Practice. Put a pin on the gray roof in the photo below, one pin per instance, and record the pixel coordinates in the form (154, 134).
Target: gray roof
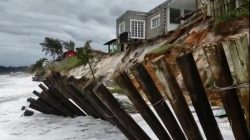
(164, 4)
(133, 12)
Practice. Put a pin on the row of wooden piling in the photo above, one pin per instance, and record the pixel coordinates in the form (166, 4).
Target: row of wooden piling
(55, 98)
(67, 97)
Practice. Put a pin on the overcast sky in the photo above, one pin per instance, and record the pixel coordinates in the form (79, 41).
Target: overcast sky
(25, 23)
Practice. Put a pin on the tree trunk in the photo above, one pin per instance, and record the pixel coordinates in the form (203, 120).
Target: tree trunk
(91, 69)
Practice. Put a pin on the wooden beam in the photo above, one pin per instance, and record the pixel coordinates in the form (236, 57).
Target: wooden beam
(73, 89)
(43, 99)
(107, 114)
(124, 82)
(57, 95)
(157, 101)
(176, 99)
(55, 103)
(222, 76)
(56, 83)
(50, 109)
(127, 121)
(198, 96)
(73, 93)
(36, 106)
(239, 52)
(87, 106)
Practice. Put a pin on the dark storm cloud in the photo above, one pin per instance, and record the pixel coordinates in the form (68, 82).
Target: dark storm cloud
(25, 23)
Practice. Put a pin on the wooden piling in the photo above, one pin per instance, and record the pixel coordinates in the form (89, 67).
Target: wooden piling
(55, 103)
(124, 82)
(59, 90)
(239, 52)
(176, 99)
(43, 107)
(221, 73)
(50, 109)
(198, 96)
(85, 103)
(156, 99)
(36, 106)
(53, 92)
(88, 94)
(71, 92)
(107, 114)
(127, 121)
(75, 94)
(42, 98)
(59, 97)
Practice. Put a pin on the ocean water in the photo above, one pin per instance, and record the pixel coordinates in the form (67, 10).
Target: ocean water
(15, 89)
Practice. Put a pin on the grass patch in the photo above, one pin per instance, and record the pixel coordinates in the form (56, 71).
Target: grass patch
(164, 48)
(69, 63)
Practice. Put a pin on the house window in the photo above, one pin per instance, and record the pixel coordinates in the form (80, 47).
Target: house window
(122, 27)
(155, 22)
(137, 29)
(174, 13)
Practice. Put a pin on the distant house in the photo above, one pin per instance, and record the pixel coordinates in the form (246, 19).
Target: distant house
(69, 53)
(137, 25)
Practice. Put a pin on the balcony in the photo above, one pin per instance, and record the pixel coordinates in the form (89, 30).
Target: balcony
(124, 37)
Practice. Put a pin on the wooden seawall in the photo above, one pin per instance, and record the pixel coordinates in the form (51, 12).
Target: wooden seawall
(70, 98)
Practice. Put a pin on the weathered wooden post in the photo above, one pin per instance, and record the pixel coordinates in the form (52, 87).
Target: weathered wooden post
(107, 114)
(239, 52)
(221, 73)
(176, 99)
(53, 102)
(59, 97)
(50, 109)
(85, 103)
(72, 90)
(124, 82)
(36, 106)
(88, 93)
(127, 121)
(53, 92)
(198, 96)
(40, 103)
(74, 94)
(156, 99)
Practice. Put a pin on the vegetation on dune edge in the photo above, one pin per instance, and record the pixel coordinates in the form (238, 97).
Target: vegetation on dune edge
(69, 63)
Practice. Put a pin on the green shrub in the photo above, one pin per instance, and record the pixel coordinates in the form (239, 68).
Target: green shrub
(69, 63)
(242, 11)
(164, 48)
